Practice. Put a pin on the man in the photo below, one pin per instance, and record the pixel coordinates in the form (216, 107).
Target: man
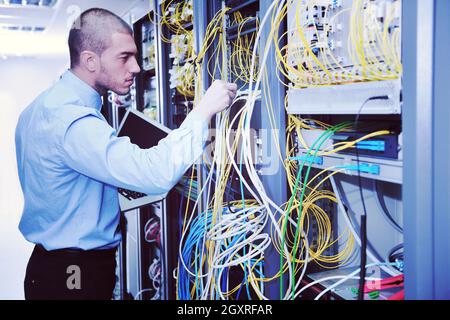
(71, 162)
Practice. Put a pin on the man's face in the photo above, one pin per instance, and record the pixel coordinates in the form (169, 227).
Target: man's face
(118, 65)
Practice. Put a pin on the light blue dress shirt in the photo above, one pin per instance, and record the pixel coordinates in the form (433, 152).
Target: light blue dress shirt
(71, 162)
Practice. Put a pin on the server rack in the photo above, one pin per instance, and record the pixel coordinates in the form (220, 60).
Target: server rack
(151, 218)
(141, 251)
(426, 150)
(425, 221)
(175, 106)
(276, 183)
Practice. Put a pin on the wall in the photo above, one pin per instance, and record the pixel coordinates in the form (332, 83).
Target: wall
(21, 80)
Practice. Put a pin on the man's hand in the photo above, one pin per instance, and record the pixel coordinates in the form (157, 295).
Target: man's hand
(217, 98)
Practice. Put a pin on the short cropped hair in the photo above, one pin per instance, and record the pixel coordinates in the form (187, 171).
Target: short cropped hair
(92, 31)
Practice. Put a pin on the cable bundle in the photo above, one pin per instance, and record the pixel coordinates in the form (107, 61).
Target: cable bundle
(241, 49)
(230, 235)
(236, 241)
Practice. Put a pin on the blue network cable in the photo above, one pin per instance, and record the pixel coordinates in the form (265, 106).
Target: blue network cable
(190, 253)
(193, 239)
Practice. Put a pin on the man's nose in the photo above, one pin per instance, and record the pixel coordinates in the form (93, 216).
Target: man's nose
(135, 69)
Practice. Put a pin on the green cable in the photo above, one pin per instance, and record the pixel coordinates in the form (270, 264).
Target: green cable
(290, 205)
(372, 295)
(320, 141)
(296, 240)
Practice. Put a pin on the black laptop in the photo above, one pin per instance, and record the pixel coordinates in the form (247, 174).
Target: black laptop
(145, 133)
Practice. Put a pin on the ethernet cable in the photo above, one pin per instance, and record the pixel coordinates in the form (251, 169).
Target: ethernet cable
(320, 141)
(225, 151)
(383, 208)
(382, 265)
(345, 278)
(308, 200)
(355, 235)
(311, 72)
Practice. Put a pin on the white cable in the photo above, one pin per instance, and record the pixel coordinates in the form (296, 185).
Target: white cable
(246, 137)
(264, 200)
(331, 278)
(355, 234)
(347, 278)
(155, 296)
(187, 228)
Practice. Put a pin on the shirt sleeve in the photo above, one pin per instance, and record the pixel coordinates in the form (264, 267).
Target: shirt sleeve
(91, 147)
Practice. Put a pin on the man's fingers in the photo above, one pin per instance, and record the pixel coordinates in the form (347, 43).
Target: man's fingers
(232, 87)
(232, 91)
(232, 95)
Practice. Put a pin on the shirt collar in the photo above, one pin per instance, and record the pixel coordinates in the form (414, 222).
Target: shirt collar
(88, 95)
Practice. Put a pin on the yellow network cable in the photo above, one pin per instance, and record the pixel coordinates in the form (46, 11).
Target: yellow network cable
(174, 17)
(374, 51)
(307, 69)
(242, 50)
(308, 207)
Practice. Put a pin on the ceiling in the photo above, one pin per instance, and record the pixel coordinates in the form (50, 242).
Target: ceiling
(30, 30)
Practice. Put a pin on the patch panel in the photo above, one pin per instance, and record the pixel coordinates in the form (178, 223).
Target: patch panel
(384, 146)
(343, 41)
(371, 168)
(339, 54)
(176, 22)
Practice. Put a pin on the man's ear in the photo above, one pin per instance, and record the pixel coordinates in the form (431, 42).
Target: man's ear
(89, 60)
